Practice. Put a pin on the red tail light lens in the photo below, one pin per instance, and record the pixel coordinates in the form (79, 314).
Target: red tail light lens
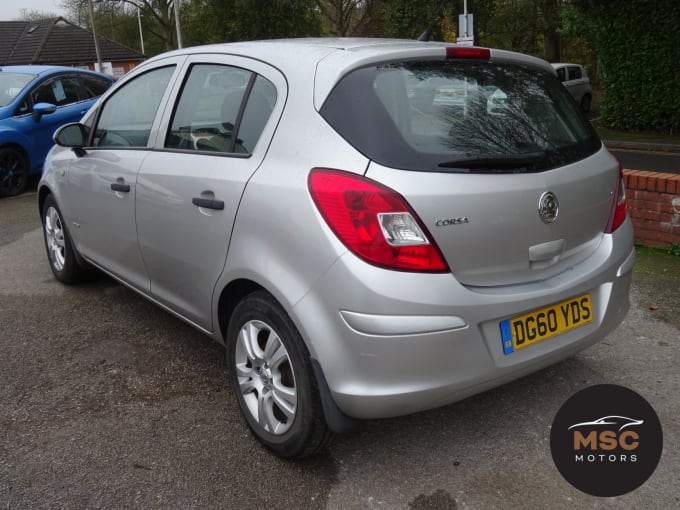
(618, 212)
(374, 222)
(468, 52)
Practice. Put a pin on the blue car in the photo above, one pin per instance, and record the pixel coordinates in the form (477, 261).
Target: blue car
(34, 102)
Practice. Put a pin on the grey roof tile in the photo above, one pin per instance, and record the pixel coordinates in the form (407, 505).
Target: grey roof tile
(56, 41)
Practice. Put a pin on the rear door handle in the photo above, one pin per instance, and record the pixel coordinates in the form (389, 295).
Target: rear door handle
(119, 186)
(208, 203)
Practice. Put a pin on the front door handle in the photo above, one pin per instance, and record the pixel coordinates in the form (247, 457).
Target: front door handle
(119, 186)
(208, 203)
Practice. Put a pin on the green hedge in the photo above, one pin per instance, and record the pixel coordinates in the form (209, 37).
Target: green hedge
(638, 46)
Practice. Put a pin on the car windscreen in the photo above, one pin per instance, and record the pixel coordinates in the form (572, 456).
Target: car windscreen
(11, 84)
(460, 116)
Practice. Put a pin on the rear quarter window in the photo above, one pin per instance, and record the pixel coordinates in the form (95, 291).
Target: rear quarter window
(427, 116)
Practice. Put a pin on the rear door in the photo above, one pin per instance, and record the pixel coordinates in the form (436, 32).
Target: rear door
(188, 191)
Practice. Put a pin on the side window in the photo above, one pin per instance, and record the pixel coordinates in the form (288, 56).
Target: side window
(259, 107)
(575, 73)
(23, 108)
(207, 111)
(562, 74)
(95, 86)
(127, 116)
(61, 91)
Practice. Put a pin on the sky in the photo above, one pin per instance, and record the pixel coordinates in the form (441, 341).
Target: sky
(9, 9)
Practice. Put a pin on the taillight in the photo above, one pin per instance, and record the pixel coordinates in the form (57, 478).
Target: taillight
(469, 52)
(618, 211)
(374, 222)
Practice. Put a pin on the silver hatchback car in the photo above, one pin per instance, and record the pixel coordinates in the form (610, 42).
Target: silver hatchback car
(575, 79)
(363, 249)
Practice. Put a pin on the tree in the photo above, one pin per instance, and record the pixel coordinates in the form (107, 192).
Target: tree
(410, 18)
(209, 21)
(355, 17)
(158, 22)
(551, 26)
(516, 25)
(35, 15)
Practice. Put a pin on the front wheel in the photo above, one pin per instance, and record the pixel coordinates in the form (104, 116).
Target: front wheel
(272, 376)
(13, 171)
(60, 250)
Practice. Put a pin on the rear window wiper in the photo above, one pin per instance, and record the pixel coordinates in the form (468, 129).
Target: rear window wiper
(527, 162)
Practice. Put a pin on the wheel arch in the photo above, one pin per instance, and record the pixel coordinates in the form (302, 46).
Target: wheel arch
(13, 144)
(43, 193)
(230, 296)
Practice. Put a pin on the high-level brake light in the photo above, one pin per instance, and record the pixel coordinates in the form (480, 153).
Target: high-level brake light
(468, 52)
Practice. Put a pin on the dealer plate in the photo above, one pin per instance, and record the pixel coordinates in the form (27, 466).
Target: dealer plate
(533, 327)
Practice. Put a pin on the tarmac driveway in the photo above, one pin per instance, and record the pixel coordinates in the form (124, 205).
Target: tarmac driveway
(108, 402)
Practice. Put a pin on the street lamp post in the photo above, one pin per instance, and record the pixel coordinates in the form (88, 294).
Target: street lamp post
(139, 21)
(94, 34)
(175, 6)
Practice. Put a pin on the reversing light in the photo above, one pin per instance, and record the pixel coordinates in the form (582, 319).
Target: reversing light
(374, 222)
(468, 52)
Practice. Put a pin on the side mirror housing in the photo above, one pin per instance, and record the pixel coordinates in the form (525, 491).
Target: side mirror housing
(72, 135)
(40, 109)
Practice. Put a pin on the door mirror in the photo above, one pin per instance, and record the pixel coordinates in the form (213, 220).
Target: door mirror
(41, 109)
(72, 135)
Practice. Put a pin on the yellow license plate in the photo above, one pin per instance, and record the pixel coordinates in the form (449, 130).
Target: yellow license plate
(530, 328)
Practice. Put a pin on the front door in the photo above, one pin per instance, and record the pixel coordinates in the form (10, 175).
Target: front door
(103, 181)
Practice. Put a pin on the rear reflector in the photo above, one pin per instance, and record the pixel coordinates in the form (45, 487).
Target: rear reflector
(468, 52)
(374, 222)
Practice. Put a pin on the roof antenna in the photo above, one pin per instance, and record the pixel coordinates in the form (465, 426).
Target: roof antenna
(427, 33)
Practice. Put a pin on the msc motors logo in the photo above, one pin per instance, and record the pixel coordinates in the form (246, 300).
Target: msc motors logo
(606, 440)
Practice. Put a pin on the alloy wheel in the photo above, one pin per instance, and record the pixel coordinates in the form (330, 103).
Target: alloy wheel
(265, 377)
(54, 235)
(13, 174)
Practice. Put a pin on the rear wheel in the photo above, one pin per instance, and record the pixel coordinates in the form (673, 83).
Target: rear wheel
(13, 171)
(60, 251)
(272, 376)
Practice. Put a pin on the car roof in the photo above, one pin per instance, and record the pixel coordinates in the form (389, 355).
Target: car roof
(296, 51)
(43, 69)
(330, 58)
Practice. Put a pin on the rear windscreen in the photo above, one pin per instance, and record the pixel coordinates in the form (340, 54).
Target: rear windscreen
(460, 116)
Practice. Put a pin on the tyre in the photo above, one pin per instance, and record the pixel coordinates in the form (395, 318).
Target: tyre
(13, 171)
(60, 251)
(272, 376)
(586, 101)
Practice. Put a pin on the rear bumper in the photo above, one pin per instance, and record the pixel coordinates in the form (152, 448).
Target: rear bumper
(392, 343)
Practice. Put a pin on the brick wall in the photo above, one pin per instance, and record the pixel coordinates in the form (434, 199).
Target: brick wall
(654, 206)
